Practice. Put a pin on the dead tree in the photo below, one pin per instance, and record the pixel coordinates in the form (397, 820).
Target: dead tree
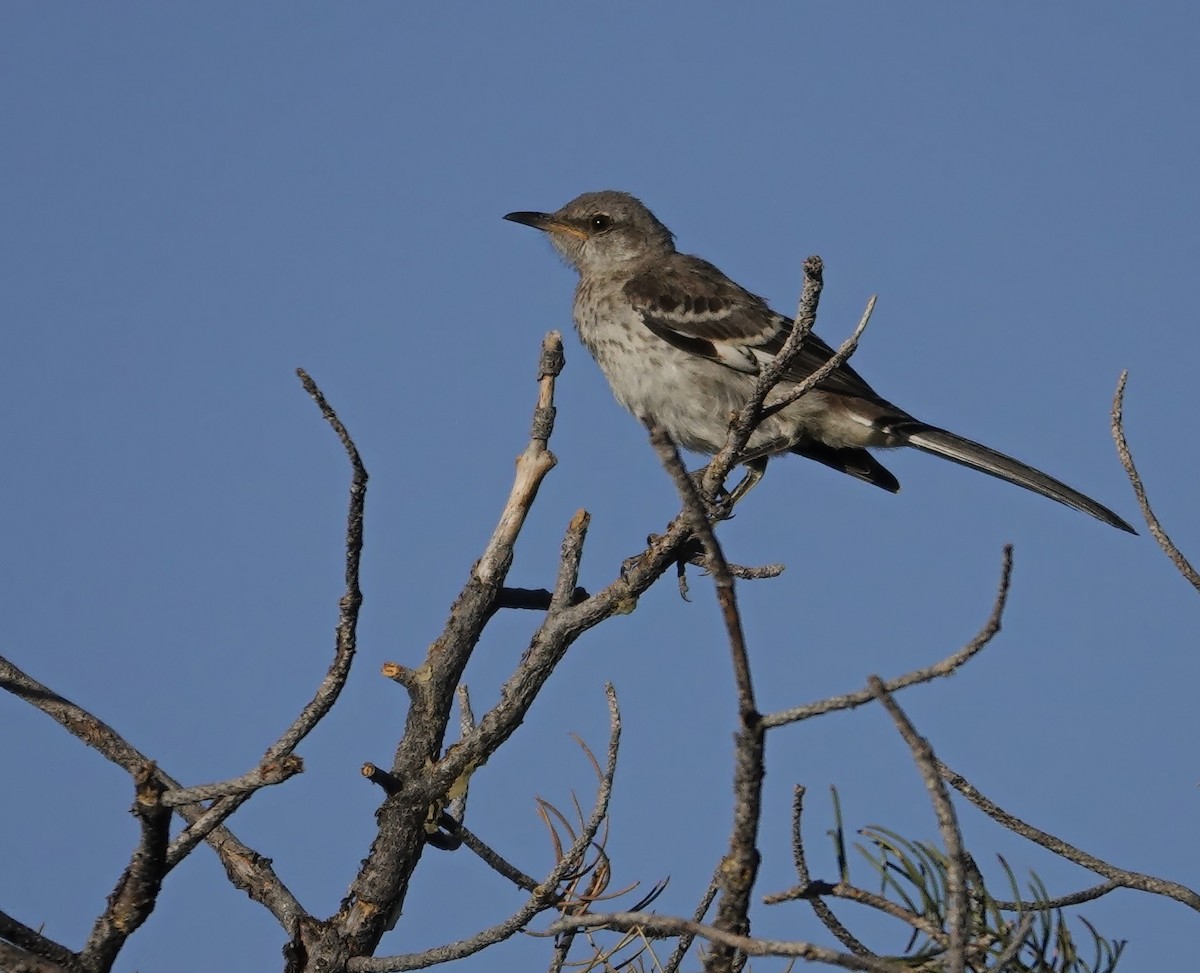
(936, 891)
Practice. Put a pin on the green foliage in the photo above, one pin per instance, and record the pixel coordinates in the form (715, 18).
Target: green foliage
(913, 876)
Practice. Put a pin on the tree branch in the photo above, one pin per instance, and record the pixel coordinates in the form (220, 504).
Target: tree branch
(1126, 879)
(1190, 575)
(545, 894)
(136, 892)
(655, 926)
(939, 669)
(740, 867)
(948, 828)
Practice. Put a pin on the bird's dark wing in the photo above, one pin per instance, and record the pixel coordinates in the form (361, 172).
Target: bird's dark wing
(694, 306)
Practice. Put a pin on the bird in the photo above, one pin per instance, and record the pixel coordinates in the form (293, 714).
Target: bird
(683, 344)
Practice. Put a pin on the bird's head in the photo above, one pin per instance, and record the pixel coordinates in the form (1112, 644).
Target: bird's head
(600, 231)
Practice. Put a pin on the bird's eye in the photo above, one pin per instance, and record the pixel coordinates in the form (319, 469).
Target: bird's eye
(601, 222)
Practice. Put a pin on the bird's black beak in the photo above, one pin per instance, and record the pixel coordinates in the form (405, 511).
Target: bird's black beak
(539, 221)
(548, 223)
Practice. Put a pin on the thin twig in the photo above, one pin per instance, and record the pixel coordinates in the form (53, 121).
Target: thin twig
(1160, 535)
(495, 861)
(845, 350)
(1016, 940)
(945, 667)
(1089, 894)
(247, 870)
(345, 639)
(657, 926)
(819, 906)
(545, 894)
(1126, 879)
(948, 827)
(749, 416)
(263, 776)
(740, 867)
(685, 940)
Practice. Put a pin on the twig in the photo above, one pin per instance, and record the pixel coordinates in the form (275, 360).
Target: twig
(1126, 879)
(845, 350)
(380, 778)
(545, 894)
(568, 562)
(266, 775)
(819, 906)
(943, 668)
(948, 827)
(427, 777)
(345, 640)
(684, 942)
(1168, 546)
(247, 870)
(1089, 894)
(663, 926)
(495, 861)
(1016, 940)
(750, 414)
(740, 867)
(457, 810)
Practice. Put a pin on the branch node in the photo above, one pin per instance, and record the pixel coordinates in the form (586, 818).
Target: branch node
(379, 776)
(410, 679)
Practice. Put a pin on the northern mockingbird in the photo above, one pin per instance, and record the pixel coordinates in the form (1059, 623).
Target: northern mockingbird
(681, 342)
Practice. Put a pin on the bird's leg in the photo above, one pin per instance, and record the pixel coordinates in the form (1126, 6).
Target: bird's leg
(755, 468)
(723, 502)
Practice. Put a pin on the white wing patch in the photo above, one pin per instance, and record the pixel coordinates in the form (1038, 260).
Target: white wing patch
(739, 357)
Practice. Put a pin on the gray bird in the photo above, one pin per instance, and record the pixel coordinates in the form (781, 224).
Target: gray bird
(681, 342)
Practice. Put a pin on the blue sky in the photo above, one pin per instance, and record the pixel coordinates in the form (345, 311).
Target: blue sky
(197, 199)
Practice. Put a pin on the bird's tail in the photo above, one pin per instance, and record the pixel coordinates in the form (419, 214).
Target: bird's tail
(930, 439)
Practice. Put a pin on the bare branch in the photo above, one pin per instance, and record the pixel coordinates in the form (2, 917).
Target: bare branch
(1063, 901)
(845, 350)
(545, 894)
(1168, 546)
(943, 668)
(948, 827)
(568, 563)
(1016, 941)
(819, 906)
(345, 643)
(750, 415)
(247, 870)
(378, 890)
(132, 900)
(532, 467)
(13, 959)
(740, 867)
(655, 926)
(1125, 878)
(266, 775)
(30, 947)
(380, 778)
(457, 809)
(496, 862)
(684, 942)
(346, 640)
